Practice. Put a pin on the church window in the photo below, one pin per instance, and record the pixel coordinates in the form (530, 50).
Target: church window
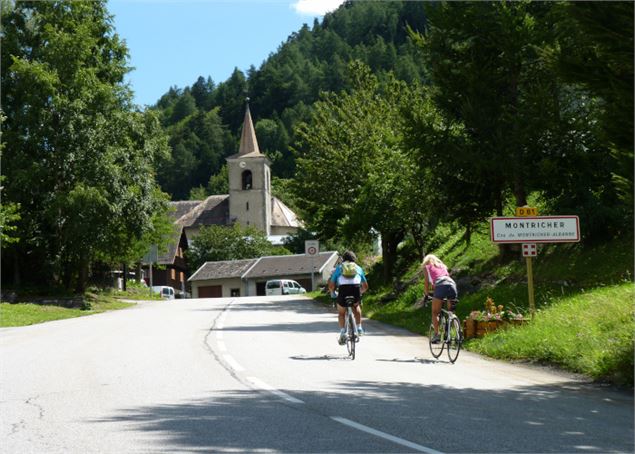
(247, 180)
(247, 207)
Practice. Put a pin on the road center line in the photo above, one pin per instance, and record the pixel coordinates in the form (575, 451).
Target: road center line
(262, 385)
(384, 435)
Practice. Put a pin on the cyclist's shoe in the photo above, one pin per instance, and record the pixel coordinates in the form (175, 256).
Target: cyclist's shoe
(435, 339)
(360, 331)
(341, 338)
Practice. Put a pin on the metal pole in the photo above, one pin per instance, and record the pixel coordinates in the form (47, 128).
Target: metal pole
(530, 286)
(150, 278)
(312, 273)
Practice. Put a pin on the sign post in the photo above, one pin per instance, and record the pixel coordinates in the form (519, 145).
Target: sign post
(151, 257)
(312, 249)
(530, 229)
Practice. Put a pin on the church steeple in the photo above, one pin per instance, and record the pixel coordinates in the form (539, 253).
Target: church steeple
(249, 181)
(248, 142)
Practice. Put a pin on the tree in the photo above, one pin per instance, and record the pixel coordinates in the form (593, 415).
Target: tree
(489, 74)
(203, 93)
(9, 215)
(217, 243)
(79, 160)
(352, 153)
(596, 51)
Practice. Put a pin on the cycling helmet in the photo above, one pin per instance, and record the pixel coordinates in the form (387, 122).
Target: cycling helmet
(349, 256)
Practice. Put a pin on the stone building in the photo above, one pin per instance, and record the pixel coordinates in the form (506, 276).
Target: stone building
(249, 203)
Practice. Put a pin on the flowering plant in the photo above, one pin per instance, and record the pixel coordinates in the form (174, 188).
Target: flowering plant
(493, 312)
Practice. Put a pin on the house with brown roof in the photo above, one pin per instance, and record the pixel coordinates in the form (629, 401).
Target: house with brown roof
(248, 277)
(172, 270)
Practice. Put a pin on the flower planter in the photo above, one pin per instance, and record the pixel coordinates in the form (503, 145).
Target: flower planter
(469, 328)
(483, 328)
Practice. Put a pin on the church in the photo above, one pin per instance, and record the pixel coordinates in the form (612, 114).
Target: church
(249, 203)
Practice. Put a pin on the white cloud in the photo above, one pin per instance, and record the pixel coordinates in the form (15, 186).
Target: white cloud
(315, 7)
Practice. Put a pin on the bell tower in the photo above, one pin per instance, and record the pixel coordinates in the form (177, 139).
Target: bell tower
(250, 181)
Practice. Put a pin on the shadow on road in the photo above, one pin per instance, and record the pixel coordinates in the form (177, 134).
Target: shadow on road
(567, 418)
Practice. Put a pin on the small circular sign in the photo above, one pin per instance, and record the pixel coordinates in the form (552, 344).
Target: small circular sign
(311, 250)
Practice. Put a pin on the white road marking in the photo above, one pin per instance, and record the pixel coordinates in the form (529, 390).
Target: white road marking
(233, 364)
(378, 433)
(262, 385)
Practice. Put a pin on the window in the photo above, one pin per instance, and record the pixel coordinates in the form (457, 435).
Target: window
(247, 180)
(247, 206)
(173, 273)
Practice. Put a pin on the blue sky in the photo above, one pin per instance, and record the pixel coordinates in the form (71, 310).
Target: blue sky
(172, 42)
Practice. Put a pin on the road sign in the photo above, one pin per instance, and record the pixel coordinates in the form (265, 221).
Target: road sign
(152, 256)
(535, 229)
(526, 211)
(312, 247)
(530, 250)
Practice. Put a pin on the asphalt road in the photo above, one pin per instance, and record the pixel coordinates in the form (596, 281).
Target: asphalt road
(267, 375)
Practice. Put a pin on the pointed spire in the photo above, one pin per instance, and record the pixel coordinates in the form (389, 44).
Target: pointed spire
(248, 142)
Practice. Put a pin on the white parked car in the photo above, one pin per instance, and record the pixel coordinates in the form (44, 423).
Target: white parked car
(163, 290)
(283, 287)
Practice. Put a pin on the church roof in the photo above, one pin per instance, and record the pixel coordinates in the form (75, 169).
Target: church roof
(212, 210)
(282, 216)
(248, 143)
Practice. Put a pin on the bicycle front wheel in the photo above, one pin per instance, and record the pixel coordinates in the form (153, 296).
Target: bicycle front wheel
(351, 335)
(455, 339)
(437, 349)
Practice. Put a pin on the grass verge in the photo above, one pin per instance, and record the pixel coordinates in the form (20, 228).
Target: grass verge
(589, 333)
(584, 294)
(95, 302)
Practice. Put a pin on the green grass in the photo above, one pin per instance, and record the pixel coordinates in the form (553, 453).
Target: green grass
(23, 314)
(577, 286)
(589, 333)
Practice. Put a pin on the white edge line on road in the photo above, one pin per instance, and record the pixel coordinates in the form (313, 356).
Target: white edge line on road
(378, 433)
(233, 364)
(262, 385)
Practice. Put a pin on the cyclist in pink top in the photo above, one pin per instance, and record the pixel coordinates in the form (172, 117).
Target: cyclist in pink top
(437, 278)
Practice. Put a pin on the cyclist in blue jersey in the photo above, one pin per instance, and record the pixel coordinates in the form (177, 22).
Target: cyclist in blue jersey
(350, 280)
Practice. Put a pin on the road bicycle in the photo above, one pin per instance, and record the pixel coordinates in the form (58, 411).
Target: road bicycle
(350, 326)
(450, 331)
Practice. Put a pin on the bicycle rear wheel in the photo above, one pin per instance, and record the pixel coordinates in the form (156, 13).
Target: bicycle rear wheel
(351, 335)
(455, 339)
(437, 349)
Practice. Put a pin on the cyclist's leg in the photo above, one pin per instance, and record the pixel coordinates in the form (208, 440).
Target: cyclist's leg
(341, 313)
(436, 309)
(357, 311)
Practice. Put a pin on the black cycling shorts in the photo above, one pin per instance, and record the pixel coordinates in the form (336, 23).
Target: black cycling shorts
(445, 287)
(348, 290)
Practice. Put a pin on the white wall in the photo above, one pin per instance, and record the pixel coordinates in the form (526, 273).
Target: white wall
(227, 284)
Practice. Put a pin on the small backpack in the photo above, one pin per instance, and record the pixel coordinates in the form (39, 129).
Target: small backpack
(349, 269)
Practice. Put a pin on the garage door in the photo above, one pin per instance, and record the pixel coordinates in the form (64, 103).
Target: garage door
(210, 291)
